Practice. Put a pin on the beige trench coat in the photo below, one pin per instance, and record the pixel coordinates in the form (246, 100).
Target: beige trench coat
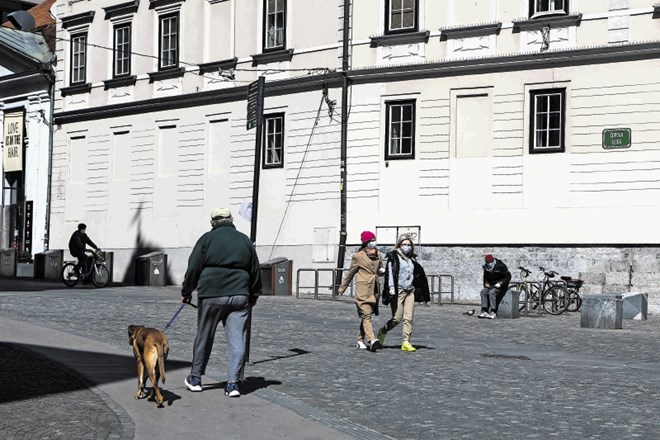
(365, 271)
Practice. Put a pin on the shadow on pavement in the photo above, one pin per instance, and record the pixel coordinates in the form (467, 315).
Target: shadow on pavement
(30, 371)
(250, 385)
(295, 351)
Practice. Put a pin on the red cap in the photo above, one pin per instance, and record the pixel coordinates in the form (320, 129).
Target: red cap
(367, 236)
(489, 258)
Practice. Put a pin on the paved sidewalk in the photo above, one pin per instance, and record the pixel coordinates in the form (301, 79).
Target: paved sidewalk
(537, 378)
(59, 385)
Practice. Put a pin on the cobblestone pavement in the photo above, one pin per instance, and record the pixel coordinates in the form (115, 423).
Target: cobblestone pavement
(529, 378)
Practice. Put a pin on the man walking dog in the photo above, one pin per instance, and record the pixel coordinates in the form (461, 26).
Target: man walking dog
(224, 268)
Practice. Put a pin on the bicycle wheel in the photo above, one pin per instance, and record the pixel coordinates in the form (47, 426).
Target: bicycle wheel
(100, 275)
(70, 275)
(555, 300)
(574, 301)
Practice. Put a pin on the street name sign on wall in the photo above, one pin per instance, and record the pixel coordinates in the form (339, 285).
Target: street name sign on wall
(615, 138)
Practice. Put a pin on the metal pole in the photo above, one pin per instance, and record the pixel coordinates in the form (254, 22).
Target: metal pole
(257, 159)
(343, 142)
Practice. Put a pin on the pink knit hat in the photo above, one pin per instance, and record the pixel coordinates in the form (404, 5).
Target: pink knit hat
(367, 236)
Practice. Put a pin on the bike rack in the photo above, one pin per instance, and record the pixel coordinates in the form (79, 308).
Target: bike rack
(435, 284)
(316, 285)
(527, 301)
(439, 291)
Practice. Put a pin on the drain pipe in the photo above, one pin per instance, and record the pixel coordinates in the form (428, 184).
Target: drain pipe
(343, 145)
(49, 73)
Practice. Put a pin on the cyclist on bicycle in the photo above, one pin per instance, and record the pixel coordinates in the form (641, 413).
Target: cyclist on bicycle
(496, 283)
(78, 244)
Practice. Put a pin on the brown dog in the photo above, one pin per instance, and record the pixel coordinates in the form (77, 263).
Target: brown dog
(150, 348)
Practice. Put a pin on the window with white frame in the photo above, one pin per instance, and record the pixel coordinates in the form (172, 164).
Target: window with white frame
(274, 25)
(547, 7)
(401, 16)
(273, 141)
(547, 120)
(122, 50)
(400, 136)
(78, 58)
(169, 41)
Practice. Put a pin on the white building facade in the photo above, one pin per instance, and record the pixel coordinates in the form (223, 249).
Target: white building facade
(26, 81)
(523, 128)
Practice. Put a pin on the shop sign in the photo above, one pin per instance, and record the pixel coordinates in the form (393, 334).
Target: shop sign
(12, 148)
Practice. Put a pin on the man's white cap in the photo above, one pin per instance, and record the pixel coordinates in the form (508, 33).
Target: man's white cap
(220, 213)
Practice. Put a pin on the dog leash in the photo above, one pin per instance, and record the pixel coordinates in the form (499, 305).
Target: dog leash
(177, 314)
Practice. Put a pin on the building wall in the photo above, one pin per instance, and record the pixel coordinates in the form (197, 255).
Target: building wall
(151, 165)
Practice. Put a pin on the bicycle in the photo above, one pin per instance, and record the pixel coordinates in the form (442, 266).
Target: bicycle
(573, 286)
(72, 271)
(552, 296)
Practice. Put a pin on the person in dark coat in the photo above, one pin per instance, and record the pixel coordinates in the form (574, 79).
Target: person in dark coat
(496, 283)
(224, 268)
(405, 284)
(78, 244)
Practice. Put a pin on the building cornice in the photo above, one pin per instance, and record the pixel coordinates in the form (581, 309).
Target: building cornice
(537, 23)
(216, 66)
(476, 30)
(76, 90)
(401, 38)
(160, 75)
(153, 4)
(120, 82)
(77, 19)
(275, 88)
(121, 9)
(276, 56)
(516, 62)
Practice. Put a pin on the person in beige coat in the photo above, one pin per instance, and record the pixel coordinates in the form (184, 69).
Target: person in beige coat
(365, 267)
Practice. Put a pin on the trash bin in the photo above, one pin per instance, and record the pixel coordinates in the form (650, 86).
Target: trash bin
(150, 269)
(8, 262)
(48, 264)
(276, 276)
(109, 260)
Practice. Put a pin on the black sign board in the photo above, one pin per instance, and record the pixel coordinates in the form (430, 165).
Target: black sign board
(27, 228)
(252, 104)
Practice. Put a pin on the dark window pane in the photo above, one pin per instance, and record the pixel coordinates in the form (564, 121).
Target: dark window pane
(406, 146)
(555, 102)
(541, 104)
(407, 130)
(555, 120)
(554, 138)
(407, 112)
(541, 122)
(395, 113)
(396, 5)
(408, 19)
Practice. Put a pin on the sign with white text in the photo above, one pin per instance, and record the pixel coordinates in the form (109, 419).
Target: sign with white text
(614, 138)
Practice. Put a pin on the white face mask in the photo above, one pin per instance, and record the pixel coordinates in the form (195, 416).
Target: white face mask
(490, 265)
(406, 248)
(372, 244)
(83, 231)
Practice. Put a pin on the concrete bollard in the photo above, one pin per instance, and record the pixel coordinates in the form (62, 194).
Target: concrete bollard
(602, 311)
(635, 305)
(509, 306)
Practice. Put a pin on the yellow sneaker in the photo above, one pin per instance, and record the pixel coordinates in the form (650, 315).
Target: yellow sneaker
(407, 346)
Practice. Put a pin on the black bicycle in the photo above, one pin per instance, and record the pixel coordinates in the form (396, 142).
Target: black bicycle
(574, 298)
(72, 271)
(552, 296)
